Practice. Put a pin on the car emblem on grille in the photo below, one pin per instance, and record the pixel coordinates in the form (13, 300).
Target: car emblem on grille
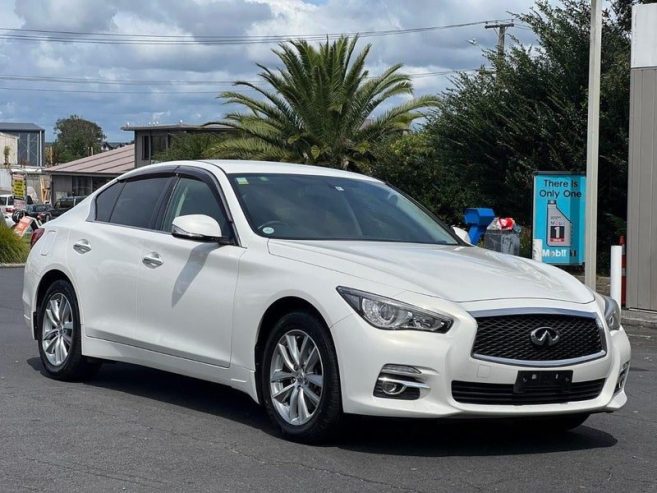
(544, 336)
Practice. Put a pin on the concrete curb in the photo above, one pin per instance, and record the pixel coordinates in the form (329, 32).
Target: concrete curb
(11, 266)
(639, 319)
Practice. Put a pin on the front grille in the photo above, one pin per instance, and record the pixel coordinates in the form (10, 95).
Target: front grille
(508, 338)
(503, 394)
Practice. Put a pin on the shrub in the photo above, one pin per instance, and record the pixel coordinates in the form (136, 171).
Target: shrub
(12, 248)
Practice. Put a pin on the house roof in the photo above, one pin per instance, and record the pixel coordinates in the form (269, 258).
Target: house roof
(175, 126)
(110, 163)
(19, 127)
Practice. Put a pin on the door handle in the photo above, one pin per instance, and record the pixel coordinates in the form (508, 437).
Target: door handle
(82, 246)
(152, 260)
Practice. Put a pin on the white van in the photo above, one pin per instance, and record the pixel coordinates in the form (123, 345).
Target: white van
(6, 202)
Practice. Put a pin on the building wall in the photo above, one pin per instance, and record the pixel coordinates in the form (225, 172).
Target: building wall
(60, 186)
(78, 185)
(10, 141)
(148, 143)
(31, 146)
(642, 167)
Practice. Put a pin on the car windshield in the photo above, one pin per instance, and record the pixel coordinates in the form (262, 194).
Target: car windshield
(311, 207)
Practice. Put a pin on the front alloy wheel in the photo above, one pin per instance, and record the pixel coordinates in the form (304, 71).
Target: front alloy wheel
(300, 384)
(296, 377)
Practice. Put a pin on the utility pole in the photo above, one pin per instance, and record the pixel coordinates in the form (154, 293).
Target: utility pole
(501, 34)
(592, 146)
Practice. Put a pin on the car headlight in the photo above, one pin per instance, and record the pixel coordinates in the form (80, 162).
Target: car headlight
(389, 314)
(612, 313)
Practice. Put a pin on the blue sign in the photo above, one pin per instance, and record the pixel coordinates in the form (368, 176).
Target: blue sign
(559, 208)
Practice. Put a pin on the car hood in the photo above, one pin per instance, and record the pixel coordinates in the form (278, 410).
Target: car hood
(455, 273)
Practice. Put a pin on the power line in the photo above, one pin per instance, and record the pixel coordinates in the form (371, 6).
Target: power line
(143, 82)
(190, 39)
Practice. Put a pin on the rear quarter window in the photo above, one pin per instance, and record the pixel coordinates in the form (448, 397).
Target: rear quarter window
(105, 202)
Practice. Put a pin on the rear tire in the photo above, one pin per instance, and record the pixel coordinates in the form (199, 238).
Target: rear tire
(299, 378)
(59, 335)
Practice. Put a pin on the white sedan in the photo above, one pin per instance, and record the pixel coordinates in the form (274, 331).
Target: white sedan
(317, 292)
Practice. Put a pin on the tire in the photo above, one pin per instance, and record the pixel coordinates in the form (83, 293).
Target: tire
(61, 354)
(319, 407)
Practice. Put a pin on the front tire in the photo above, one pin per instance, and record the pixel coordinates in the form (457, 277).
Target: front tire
(59, 335)
(299, 378)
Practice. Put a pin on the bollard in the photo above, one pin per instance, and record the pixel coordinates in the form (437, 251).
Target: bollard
(537, 250)
(616, 272)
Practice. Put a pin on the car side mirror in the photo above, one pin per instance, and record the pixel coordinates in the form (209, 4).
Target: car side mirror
(462, 233)
(198, 227)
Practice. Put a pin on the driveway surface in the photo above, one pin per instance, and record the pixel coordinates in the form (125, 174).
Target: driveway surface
(136, 429)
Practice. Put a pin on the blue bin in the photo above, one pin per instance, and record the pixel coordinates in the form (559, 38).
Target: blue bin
(478, 219)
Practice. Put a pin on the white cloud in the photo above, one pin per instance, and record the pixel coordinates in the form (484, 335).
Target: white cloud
(422, 52)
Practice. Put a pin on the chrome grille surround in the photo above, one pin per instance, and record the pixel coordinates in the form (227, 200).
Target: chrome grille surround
(503, 336)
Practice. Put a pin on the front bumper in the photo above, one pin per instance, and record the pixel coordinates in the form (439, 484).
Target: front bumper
(443, 358)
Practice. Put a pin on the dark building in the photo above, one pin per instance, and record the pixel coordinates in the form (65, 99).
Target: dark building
(151, 139)
(31, 142)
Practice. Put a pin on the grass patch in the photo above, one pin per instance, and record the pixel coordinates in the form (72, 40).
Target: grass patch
(13, 250)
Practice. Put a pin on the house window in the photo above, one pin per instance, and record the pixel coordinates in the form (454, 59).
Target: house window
(146, 148)
(81, 185)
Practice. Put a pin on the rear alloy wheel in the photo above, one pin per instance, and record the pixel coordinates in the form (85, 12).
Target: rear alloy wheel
(59, 337)
(299, 378)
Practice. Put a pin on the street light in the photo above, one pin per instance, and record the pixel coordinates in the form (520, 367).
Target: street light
(592, 146)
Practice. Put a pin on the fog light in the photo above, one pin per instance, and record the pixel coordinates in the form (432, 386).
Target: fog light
(622, 377)
(392, 388)
(399, 382)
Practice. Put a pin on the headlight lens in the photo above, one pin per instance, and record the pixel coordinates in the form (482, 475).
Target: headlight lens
(389, 314)
(612, 313)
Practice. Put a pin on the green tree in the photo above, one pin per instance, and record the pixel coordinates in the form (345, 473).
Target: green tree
(76, 138)
(318, 108)
(495, 128)
(189, 146)
(409, 163)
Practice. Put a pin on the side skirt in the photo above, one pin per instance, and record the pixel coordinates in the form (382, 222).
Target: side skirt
(237, 377)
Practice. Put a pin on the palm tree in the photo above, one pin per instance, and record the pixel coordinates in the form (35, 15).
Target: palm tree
(318, 108)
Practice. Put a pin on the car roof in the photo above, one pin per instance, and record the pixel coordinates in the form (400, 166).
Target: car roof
(231, 167)
(238, 167)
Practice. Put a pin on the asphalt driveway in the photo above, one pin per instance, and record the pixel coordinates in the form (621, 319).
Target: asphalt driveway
(136, 429)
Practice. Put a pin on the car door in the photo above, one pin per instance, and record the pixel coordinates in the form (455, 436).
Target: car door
(186, 287)
(105, 255)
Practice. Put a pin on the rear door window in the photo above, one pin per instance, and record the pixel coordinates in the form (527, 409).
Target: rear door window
(138, 202)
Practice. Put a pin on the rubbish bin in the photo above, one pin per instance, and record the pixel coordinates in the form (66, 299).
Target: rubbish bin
(503, 241)
(477, 219)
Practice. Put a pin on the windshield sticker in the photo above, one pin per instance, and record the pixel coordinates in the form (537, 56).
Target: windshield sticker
(268, 230)
(264, 178)
(242, 181)
(339, 189)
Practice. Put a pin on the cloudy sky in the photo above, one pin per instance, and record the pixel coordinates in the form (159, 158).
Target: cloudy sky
(147, 60)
